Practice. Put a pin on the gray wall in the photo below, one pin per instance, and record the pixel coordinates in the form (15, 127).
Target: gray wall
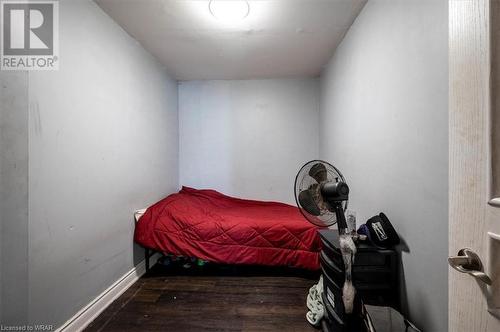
(13, 197)
(103, 141)
(247, 138)
(384, 123)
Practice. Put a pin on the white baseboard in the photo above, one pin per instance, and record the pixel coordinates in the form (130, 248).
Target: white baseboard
(90, 312)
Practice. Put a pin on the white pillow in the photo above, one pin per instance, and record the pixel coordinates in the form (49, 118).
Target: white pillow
(138, 214)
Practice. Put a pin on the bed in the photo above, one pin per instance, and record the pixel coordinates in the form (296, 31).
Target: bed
(217, 228)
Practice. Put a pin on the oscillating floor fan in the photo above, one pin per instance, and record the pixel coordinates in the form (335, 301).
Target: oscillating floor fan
(321, 193)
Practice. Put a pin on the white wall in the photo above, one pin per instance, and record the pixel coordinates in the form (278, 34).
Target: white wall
(103, 142)
(13, 198)
(247, 138)
(384, 123)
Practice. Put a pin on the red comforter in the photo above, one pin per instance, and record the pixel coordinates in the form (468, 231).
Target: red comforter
(218, 228)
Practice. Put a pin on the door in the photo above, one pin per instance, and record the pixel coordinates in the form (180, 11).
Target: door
(474, 179)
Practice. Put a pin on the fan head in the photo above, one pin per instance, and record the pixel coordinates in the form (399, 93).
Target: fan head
(311, 182)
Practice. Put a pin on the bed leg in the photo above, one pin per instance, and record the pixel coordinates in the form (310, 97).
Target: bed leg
(146, 253)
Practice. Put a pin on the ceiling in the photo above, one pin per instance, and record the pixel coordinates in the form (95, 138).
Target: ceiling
(278, 38)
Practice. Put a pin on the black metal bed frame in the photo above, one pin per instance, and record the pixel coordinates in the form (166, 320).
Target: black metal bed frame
(148, 253)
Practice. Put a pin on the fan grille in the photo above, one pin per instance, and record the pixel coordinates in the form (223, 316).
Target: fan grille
(304, 181)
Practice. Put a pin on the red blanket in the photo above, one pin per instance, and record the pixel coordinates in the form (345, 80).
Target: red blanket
(218, 228)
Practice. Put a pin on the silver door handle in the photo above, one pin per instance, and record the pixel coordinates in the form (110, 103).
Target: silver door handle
(467, 261)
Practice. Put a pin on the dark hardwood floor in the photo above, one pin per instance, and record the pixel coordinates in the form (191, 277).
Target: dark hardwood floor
(213, 300)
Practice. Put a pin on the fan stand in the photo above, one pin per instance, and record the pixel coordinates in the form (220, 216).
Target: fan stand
(341, 222)
(348, 249)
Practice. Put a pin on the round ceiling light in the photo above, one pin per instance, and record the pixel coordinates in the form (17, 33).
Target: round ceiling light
(229, 10)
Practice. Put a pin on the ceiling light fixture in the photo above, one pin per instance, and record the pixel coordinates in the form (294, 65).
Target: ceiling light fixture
(229, 11)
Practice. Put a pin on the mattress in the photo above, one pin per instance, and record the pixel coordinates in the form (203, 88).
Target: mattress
(218, 228)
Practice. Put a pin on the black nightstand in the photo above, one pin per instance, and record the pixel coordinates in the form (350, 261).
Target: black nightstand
(374, 276)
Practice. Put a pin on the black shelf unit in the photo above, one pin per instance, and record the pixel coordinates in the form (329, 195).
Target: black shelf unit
(374, 276)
